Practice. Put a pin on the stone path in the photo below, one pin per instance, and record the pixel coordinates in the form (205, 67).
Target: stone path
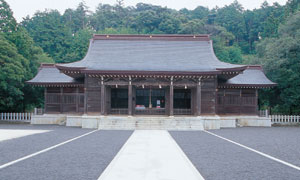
(151, 155)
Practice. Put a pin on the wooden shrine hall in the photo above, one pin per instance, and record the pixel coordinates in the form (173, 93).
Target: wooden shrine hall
(166, 75)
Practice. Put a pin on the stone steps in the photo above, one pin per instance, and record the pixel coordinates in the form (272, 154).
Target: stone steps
(151, 123)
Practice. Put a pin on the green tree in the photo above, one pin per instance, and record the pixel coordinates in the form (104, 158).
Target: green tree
(7, 21)
(12, 75)
(49, 31)
(77, 19)
(281, 59)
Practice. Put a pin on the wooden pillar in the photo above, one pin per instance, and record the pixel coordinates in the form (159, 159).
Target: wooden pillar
(133, 99)
(77, 99)
(45, 100)
(102, 97)
(241, 102)
(216, 94)
(256, 101)
(198, 99)
(85, 95)
(130, 97)
(171, 104)
(61, 100)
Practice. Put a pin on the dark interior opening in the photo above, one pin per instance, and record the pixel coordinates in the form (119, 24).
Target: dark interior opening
(119, 98)
(182, 98)
(150, 98)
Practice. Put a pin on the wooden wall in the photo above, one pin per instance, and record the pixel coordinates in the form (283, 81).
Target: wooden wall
(208, 96)
(93, 93)
(213, 100)
(237, 101)
(64, 100)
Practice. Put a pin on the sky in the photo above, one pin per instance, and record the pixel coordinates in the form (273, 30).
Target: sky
(22, 8)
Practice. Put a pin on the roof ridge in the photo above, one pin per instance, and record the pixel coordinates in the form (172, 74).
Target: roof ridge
(184, 37)
(259, 67)
(48, 65)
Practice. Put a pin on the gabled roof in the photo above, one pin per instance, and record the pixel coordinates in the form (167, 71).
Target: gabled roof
(253, 77)
(49, 75)
(151, 53)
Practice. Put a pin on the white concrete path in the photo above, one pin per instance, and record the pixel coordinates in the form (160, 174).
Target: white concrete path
(6, 134)
(150, 155)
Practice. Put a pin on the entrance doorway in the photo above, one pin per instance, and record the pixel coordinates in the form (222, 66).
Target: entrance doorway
(150, 101)
(182, 102)
(119, 101)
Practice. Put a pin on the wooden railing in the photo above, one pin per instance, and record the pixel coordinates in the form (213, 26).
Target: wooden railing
(119, 111)
(150, 111)
(16, 117)
(182, 111)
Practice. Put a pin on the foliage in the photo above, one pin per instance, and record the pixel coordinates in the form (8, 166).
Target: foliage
(281, 59)
(19, 60)
(7, 21)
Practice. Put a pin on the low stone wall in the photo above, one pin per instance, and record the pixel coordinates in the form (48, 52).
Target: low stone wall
(254, 121)
(248, 121)
(228, 121)
(48, 119)
(90, 122)
(152, 122)
(74, 121)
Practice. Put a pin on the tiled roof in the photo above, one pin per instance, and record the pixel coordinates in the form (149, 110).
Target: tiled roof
(49, 74)
(176, 53)
(252, 76)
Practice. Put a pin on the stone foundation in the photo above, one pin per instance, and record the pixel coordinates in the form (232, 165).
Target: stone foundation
(152, 122)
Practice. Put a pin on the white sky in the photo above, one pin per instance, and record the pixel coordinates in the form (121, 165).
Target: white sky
(22, 8)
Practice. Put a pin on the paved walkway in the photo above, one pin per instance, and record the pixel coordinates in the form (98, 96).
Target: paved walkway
(6, 134)
(150, 155)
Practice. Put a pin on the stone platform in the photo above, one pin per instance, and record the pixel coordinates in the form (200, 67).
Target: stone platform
(152, 122)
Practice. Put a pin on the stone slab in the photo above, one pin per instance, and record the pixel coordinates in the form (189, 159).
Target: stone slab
(74, 121)
(90, 122)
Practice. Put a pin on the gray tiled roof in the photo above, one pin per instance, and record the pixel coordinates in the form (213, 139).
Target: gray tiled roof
(251, 76)
(150, 55)
(50, 74)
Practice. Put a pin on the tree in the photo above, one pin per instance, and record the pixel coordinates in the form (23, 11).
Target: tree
(12, 75)
(281, 59)
(50, 32)
(7, 21)
(77, 19)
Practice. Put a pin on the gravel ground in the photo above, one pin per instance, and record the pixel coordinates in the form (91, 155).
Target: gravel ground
(218, 159)
(16, 148)
(85, 158)
(280, 142)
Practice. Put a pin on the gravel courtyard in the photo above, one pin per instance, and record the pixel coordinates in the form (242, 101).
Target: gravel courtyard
(216, 158)
(88, 156)
(84, 158)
